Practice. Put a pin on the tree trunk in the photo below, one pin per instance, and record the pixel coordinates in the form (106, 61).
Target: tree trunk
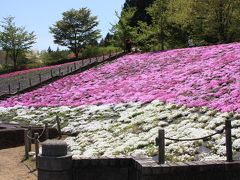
(6, 58)
(14, 63)
(76, 55)
(15, 54)
(162, 34)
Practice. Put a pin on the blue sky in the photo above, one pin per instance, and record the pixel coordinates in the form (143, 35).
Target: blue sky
(39, 15)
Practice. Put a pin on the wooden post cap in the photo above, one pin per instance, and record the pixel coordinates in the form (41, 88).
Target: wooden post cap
(54, 148)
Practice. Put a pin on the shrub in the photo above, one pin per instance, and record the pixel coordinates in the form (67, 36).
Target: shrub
(92, 51)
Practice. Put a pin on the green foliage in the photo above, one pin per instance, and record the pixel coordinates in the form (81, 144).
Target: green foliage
(167, 24)
(108, 40)
(54, 57)
(159, 13)
(6, 68)
(216, 21)
(15, 40)
(76, 30)
(123, 30)
(93, 51)
(140, 14)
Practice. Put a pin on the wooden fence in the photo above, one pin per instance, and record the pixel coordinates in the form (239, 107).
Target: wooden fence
(160, 141)
(36, 137)
(16, 84)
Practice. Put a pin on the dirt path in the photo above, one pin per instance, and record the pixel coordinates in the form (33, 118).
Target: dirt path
(11, 167)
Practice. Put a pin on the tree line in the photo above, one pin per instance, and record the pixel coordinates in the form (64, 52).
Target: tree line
(76, 30)
(150, 24)
(167, 24)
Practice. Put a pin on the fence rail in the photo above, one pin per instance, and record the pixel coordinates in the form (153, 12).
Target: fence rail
(13, 85)
(160, 141)
(30, 136)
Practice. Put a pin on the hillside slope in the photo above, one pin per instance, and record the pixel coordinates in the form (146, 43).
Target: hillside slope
(202, 76)
(117, 109)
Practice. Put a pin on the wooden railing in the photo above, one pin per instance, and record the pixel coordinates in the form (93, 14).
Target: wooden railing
(160, 141)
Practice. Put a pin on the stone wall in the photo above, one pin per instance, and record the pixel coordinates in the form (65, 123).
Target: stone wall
(147, 169)
(14, 137)
(52, 166)
(102, 169)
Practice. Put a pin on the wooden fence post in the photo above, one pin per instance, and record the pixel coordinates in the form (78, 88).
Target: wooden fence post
(228, 129)
(75, 67)
(26, 143)
(160, 142)
(36, 136)
(40, 78)
(51, 73)
(9, 89)
(19, 85)
(67, 69)
(30, 82)
(59, 127)
(29, 139)
(46, 131)
(82, 63)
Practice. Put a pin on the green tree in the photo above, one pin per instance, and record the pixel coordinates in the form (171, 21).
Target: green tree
(215, 21)
(76, 30)
(123, 29)
(108, 39)
(140, 13)
(15, 40)
(159, 13)
(49, 50)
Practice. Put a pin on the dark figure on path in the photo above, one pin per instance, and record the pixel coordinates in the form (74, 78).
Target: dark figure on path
(190, 42)
(128, 45)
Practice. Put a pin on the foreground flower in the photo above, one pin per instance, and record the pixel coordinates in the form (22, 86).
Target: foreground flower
(130, 129)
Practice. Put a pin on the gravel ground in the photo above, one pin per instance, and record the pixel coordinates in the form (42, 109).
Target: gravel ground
(12, 167)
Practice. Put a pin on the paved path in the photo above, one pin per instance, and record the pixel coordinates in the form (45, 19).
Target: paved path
(11, 167)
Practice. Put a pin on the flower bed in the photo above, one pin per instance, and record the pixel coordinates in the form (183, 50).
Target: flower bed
(204, 76)
(130, 129)
(117, 109)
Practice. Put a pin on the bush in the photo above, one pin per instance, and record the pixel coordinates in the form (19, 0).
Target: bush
(93, 51)
(7, 68)
(54, 57)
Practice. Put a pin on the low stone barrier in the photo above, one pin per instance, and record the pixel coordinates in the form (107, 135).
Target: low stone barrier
(54, 163)
(13, 137)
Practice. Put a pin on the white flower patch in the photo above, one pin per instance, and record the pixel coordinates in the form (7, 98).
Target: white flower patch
(236, 144)
(3, 110)
(130, 129)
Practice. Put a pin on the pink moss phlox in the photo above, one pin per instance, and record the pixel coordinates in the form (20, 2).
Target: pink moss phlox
(201, 76)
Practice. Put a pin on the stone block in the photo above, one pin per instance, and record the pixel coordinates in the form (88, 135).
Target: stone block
(54, 148)
(43, 175)
(55, 163)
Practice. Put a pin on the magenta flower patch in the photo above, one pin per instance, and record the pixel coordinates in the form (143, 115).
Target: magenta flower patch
(202, 76)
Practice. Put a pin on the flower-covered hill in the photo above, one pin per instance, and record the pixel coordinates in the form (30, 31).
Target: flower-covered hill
(202, 76)
(116, 109)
